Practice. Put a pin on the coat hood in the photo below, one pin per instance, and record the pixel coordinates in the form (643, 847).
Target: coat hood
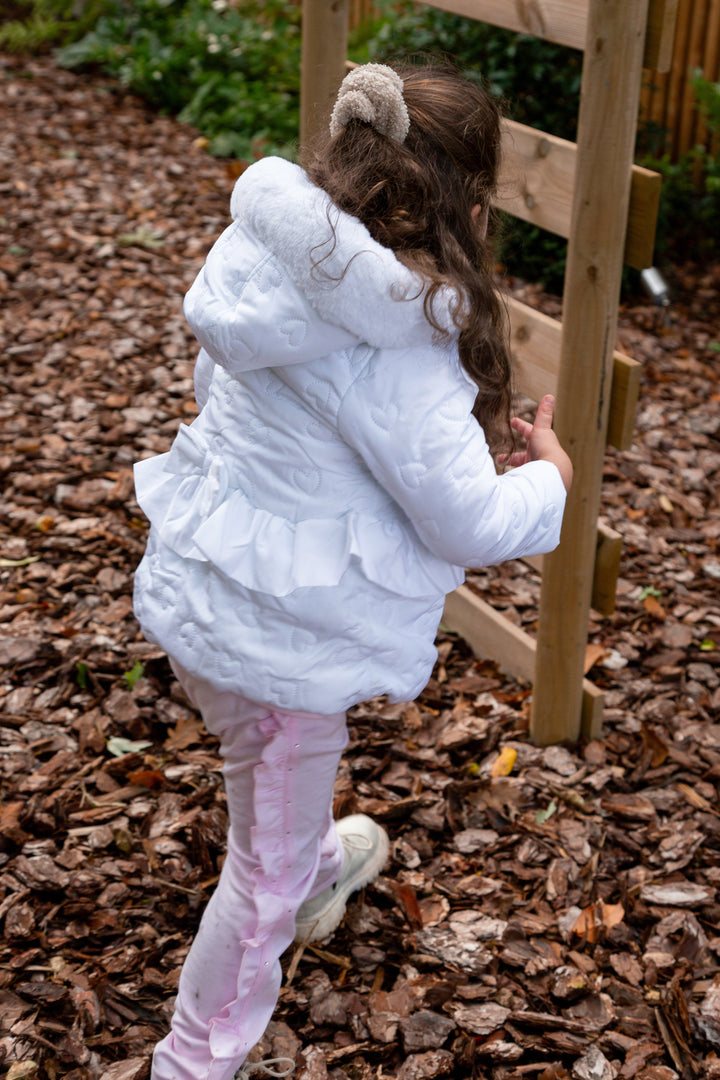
(294, 278)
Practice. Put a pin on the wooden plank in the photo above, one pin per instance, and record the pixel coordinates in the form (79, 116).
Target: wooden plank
(537, 177)
(537, 180)
(607, 568)
(593, 707)
(561, 21)
(606, 137)
(624, 394)
(324, 48)
(536, 343)
(489, 633)
(645, 188)
(565, 22)
(662, 20)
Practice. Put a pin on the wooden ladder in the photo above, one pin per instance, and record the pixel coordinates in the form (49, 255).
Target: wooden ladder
(590, 193)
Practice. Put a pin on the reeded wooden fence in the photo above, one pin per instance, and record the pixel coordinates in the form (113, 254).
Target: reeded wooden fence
(667, 102)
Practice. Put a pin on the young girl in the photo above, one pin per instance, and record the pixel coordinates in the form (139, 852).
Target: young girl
(307, 526)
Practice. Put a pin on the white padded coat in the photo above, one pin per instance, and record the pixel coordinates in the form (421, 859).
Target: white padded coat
(308, 524)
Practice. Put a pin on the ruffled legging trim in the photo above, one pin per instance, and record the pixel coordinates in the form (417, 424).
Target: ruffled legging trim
(279, 772)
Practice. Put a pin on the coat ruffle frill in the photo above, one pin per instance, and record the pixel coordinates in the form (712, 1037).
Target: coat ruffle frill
(185, 495)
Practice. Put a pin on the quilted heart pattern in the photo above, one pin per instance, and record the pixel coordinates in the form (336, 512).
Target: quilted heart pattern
(308, 524)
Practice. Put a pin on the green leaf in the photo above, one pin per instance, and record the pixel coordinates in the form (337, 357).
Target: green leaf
(136, 672)
(119, 746)
(649, 590)
(707, 645)
(81, 674)
(142, 237)
(543, 815)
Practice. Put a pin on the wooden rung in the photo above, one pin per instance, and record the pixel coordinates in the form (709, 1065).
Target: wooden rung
(606, 572)
(591, 716)
(624, 394)
(489, 633)
(607, 569)
(565, 22)
(561, 21)
(537, 181)
(645, 188)
(536, 340)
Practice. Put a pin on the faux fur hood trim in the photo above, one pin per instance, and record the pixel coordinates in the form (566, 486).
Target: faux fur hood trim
(359, 285)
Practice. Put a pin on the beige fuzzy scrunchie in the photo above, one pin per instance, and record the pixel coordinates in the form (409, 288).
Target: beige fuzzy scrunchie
(373, 93)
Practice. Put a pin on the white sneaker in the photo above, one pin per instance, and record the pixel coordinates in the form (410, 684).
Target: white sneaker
(366, 849)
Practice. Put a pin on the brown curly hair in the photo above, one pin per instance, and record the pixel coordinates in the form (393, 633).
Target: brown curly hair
(417, 198)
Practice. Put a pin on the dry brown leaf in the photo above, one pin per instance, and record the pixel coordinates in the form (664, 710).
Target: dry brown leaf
(151, 778)
(593, 654)
(655, 745)
(654, 608)
(408, 902)
(187, 731)
(597, 919)
(141, 860)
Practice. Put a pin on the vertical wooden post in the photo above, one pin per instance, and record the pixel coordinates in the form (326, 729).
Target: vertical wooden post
(609, 100)
(324, 52)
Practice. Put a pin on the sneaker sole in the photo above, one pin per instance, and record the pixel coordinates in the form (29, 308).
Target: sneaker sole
(308, 930)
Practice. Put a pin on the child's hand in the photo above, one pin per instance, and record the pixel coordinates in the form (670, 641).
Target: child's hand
(542, 442)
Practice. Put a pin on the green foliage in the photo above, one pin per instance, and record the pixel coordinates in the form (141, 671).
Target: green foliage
(539, 81)
(708, 97)
(230, 69)
(690, 201)
(136, 672)
(35, 26)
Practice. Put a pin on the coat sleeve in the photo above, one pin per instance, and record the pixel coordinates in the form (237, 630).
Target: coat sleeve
(409, 417)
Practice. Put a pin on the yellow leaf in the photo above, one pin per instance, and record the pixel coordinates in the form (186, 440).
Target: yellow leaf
(504, 762)
(22, 1070)
(665, 504)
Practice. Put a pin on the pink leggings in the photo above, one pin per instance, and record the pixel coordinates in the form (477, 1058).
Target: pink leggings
(279, 770)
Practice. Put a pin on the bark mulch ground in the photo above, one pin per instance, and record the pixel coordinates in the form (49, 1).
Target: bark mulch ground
(546, 912)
